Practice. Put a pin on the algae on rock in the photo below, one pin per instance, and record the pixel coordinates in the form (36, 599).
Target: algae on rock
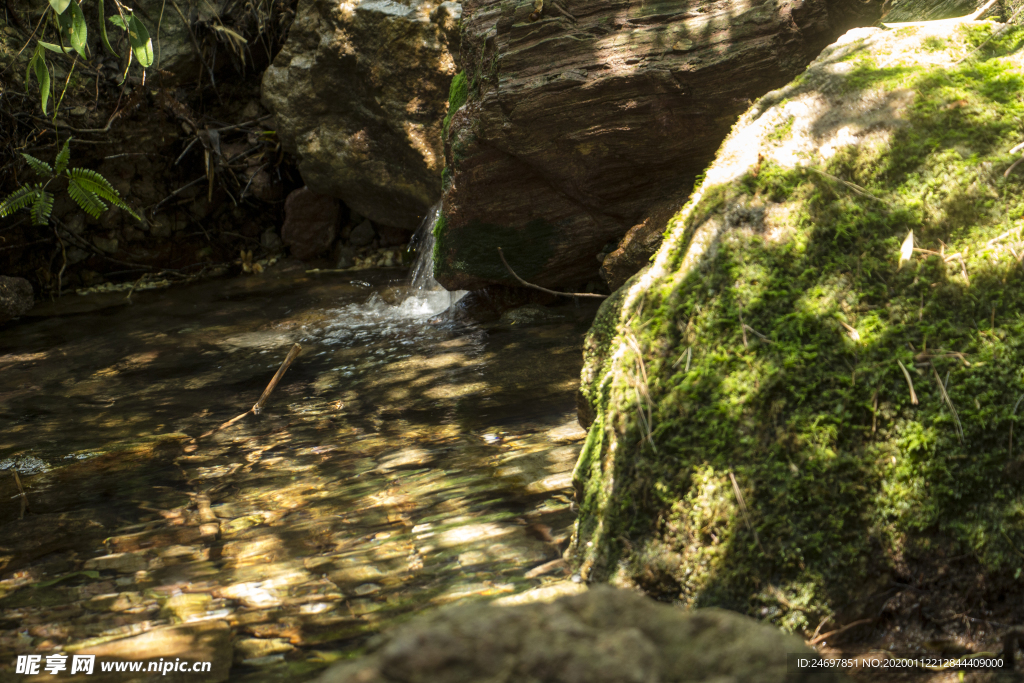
(754, 444)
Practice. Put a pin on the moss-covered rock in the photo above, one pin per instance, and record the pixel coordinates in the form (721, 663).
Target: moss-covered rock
(756, 440)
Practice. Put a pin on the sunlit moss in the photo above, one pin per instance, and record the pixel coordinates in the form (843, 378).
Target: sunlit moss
(772, 359)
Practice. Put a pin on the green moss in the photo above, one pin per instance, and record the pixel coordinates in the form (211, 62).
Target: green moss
(458, 93)
(472, 249)
(748, 370)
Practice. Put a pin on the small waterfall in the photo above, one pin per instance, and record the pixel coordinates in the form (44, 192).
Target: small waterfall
(405, 314)
(424, 291)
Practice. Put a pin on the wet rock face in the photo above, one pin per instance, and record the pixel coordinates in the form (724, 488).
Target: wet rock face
(15, 297)
(576, 124)
(601, 636)
(360, 91)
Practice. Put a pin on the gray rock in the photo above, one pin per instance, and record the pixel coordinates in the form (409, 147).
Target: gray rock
(310, 221)
(15, 297)
(604, 635)
(345, 257)
(271, 241)
(362, 234)
(360, 95)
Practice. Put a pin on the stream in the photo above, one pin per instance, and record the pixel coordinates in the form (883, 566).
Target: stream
(403, 462)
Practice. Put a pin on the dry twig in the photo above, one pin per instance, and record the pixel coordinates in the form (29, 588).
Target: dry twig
(258, 407)
(544, 289)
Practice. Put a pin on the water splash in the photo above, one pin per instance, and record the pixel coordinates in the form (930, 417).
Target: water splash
(409, 307)
(425, 293)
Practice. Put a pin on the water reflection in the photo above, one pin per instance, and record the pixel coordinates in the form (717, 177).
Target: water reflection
(399, 465)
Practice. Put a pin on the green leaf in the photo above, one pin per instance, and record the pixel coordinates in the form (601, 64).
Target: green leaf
(103, 30)
(89, 202)
(77, 32)
(37, 67)
(142, 45)
(92, 182)
(62, 157)
(117, 21)
(38, 165)
(55, 48)
(41, 207)
(20, 199)
(59, 5)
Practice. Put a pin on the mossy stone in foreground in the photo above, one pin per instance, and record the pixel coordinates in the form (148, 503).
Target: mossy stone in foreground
(756, 443)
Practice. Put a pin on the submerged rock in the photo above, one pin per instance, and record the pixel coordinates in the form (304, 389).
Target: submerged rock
(359, 92)
(16, 297)
(792, 389)
(600, 636)
(573, 123)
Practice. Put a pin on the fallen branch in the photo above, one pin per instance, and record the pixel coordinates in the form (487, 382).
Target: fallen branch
(544, 289)
(21, 493)
(258, 406)
(910, 383)
(746, 516)
(823, 636)
(956, 418)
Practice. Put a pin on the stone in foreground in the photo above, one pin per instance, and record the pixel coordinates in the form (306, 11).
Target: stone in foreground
(602, 636)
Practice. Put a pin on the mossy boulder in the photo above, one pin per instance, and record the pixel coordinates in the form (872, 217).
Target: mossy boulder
(756, 442)
(599, 636)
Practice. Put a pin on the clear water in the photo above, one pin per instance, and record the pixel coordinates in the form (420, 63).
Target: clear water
(402, 463)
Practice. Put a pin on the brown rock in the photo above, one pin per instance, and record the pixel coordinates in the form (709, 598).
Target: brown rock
(636, 248)
(929, 10)
(360, 91)
(15, 297)
(309, 224)
(576, 126)
(393, 237)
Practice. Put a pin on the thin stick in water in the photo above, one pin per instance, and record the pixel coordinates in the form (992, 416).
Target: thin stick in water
(255, 410)
(23, 495)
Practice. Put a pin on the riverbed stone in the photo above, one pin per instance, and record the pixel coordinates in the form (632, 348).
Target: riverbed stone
(16, 297)
(206, 641)
(310, 222)
(125, 563)
(359, 91)
(604, 635)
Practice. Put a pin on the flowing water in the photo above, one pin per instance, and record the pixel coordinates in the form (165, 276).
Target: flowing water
(402, 463)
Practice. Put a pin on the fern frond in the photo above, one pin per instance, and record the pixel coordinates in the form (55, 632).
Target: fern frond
(38, 165)
(63, 157)
(85, 198)
(20, 199)
(92, 182)
(42, 207)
